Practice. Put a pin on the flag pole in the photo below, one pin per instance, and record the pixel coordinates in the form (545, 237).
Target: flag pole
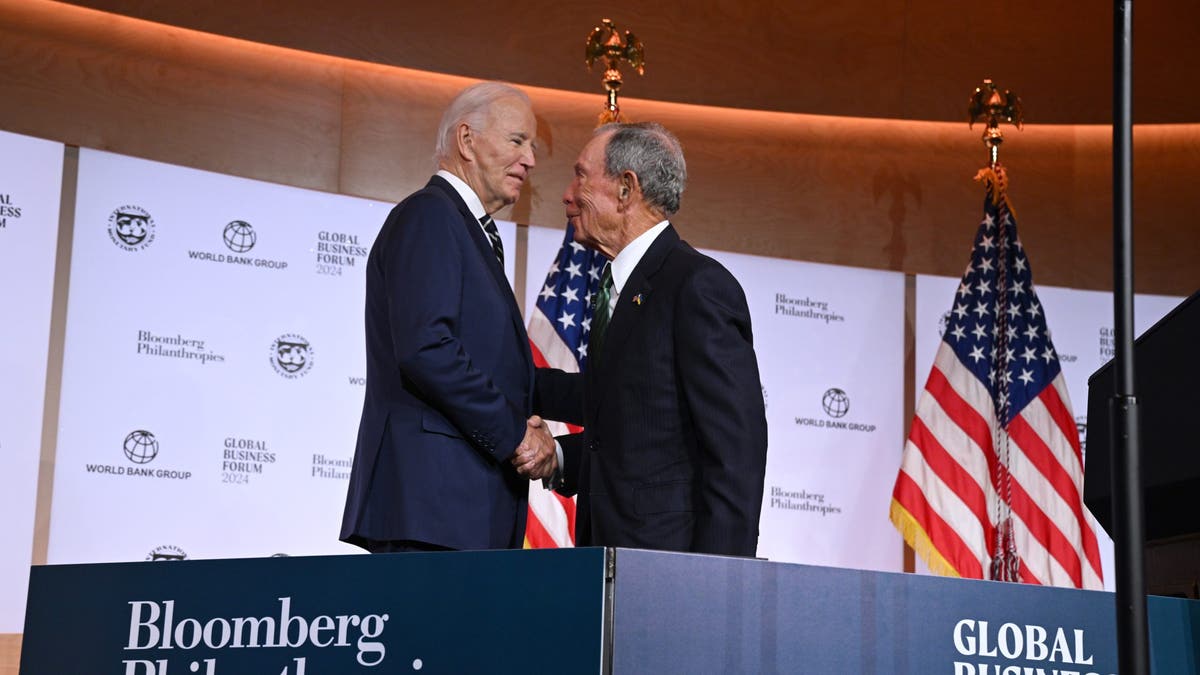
(1133, 641)
(993, 106)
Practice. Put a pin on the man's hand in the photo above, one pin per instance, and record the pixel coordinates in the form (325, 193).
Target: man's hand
(535, 456)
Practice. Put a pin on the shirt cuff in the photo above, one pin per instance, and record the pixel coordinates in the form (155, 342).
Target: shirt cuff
(554, 480)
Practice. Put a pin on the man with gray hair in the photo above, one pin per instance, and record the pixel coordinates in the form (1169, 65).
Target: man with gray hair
(674, 448)
(446, 443)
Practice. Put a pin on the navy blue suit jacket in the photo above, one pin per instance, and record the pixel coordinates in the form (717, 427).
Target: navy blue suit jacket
(449, 385)
(674, 448)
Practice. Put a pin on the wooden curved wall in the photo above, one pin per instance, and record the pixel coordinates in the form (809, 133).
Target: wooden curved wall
(865, 192)
(900, 59)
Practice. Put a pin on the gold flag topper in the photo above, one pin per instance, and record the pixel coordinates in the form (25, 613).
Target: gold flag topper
(991, 105)
(606, 44)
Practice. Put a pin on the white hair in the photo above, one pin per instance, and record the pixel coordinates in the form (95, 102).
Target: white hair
(471, 106)
(653, 154)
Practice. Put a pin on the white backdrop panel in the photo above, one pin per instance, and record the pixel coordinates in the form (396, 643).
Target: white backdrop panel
(830, 346)
(214, 365)
(30, 191)
(1081, 326)
(542, 249)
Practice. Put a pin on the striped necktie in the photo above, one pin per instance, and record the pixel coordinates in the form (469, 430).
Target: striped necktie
(493, 234)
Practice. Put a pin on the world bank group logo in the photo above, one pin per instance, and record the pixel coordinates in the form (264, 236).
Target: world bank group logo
(131, 228)
(239, 236)
(291, 355)
(1081, 427)
(141, 447)
(835, 402)
(166, 552)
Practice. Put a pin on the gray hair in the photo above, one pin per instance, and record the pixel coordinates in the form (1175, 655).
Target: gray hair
(471, 106)
(654, 154)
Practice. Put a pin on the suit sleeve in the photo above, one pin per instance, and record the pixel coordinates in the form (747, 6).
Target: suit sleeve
(718, 374)
(558, 395)
(572, 446)
(425, 292)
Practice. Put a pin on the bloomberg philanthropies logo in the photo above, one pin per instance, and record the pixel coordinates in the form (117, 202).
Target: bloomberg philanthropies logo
(176, 346)
(155, 626)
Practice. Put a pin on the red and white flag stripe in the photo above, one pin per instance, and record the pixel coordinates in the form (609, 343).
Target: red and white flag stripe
(551, 519)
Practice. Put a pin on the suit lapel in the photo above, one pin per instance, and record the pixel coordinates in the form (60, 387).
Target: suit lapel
(484, 248)
(629, 311)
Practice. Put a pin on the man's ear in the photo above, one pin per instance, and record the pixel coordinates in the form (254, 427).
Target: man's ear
(464, 140)
(628, 189)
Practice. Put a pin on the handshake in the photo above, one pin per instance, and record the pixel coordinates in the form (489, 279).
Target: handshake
(536, 457)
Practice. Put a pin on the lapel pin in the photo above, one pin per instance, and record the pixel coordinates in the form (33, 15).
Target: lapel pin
(637, 299)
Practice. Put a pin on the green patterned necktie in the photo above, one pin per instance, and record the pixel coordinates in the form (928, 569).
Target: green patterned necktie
(600, 315)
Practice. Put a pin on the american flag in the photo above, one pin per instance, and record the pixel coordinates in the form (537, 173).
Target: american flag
(991, 481)
(558, 336)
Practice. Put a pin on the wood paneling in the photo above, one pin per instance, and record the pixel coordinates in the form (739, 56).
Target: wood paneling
(102, 81)
(876, 193)
(10, 653)
(904, 59)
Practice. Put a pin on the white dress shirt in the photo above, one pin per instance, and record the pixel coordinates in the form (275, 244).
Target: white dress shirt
(468, 195)
(627, 260)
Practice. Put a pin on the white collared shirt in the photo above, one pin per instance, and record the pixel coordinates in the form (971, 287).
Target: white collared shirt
(474, 205)
(628, 258)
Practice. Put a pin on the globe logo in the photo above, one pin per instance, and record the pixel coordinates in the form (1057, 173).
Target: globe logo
(836, 403)
(291, 355)
(1081, 427)
(239, 236)
(140, 446)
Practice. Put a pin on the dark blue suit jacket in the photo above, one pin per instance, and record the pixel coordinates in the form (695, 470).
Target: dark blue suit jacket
(449, 385)
(674, 449)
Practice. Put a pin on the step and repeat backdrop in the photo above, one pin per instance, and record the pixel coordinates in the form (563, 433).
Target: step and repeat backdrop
(214, 365)
(30, 191)
(213, 370)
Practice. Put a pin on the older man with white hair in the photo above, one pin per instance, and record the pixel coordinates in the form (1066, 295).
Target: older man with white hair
(445, 443)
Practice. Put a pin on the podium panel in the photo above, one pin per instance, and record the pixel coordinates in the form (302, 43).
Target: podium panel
(586, 610)
(707, 614)
(478, 612)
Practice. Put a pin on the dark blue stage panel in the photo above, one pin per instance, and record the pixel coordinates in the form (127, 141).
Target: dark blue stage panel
(682, 613)
(593, 610)
(476, 612)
